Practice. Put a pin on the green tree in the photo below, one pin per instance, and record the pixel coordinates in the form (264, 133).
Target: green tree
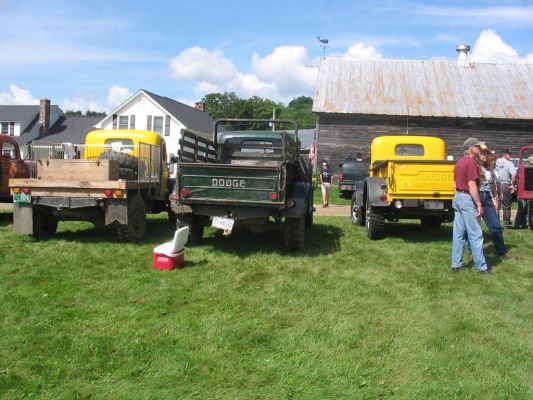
(90, 113)
(224, 105)
(72, 113)
(300, 110)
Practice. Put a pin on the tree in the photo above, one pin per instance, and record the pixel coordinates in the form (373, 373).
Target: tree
(88, 113)
(300, 110)
(72, 113)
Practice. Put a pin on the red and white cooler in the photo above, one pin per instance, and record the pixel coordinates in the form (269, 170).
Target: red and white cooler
(172, 254)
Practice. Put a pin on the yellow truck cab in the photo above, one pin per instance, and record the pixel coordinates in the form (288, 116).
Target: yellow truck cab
(115, 177)
(409, 178)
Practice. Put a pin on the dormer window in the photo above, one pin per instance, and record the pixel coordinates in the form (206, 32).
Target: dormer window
(8, 128)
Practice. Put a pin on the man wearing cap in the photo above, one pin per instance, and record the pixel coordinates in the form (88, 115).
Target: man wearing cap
(468, 208)
(506, 172)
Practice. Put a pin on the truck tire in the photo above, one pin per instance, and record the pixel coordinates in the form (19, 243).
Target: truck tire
(127, 174)
(358, 213)
(196, 228)
(44, 223)
(294, 233)
(136, 226)
(124, 160)
(375, 223)
(309, 220)
(431, 222)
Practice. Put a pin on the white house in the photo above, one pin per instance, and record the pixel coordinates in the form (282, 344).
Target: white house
(148, 111)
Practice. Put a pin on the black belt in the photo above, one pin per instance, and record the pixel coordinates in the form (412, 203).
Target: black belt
(463, 191)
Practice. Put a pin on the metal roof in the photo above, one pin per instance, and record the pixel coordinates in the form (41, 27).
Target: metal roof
(424, 88)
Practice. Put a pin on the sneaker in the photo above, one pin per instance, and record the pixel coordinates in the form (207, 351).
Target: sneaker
(508, 256)
(457, 269)
(486, 272)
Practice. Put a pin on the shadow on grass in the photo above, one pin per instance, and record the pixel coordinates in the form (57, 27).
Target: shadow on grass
(6, 218)
(320, 239)
(415, 232)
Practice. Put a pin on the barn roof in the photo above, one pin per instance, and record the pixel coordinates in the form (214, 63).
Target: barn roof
(424, 88)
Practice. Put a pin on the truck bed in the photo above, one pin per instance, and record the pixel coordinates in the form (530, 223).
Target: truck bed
(212, 183)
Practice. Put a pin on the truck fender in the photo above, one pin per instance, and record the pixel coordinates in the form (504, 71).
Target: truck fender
(300, 192)
(359, 193)
(373, 186)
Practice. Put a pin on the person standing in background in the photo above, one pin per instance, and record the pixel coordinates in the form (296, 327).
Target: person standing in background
(325, 183)
(506, 172)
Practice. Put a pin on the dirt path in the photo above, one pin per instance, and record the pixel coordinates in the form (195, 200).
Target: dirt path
(332, 211)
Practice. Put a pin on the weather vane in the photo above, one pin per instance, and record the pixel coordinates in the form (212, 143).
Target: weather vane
(323, 42)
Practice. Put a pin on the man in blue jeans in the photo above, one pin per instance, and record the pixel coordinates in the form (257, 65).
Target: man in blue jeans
(468, 208)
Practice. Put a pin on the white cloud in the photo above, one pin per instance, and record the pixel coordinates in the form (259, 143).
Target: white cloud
(361, 51)
(117, 95)
(17, 96)
(82, 103)
(286, 67)
(199, 64)
(490, 47)
(470, 15)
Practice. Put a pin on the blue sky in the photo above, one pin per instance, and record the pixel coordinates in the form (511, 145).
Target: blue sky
(93, 54)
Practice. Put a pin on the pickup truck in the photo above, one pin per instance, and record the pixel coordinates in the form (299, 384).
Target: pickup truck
(116, 177)
(410, 178)
(11, 166)
(352, 170)
(245, 177)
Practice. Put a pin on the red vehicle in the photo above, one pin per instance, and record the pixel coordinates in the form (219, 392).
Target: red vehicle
(525, 171)
(11, 166)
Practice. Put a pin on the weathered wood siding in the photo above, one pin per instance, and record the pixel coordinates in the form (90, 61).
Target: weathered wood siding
(341, 134)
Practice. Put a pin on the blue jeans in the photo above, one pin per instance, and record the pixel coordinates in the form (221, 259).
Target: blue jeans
(524, 208)
(466, 226)
(492, 220)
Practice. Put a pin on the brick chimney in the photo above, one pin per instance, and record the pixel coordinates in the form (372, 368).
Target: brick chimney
(44, 116)
(200, 106)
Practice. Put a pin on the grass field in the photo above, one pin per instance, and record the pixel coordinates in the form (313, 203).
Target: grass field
(86, 317)
(333, 197)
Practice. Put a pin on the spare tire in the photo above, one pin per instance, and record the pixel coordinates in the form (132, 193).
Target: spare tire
(127, 174)
(124, 160)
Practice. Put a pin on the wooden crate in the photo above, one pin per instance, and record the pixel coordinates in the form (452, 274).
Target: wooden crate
(83, 170)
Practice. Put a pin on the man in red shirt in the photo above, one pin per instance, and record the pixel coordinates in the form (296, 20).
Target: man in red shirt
(468, 209)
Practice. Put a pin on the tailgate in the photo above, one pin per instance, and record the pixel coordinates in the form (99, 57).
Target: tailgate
(225, 183)
(421, 179)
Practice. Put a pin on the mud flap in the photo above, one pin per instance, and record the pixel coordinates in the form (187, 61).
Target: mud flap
(23, 218)
(116, 210)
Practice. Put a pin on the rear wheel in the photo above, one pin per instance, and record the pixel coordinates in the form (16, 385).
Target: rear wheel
(431, 222)
(294, 233)
(136, 226)
(358, 213)
(44, 222)
(196, 228)
(375, 223)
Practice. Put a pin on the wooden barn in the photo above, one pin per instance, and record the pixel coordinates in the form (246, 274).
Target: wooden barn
(357, 100)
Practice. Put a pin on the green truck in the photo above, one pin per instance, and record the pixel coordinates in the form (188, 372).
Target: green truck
(244, 177)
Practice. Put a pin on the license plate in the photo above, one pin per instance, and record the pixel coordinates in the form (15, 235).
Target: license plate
(346, 188)
(434, 205)
(223, 223)
(22, 198)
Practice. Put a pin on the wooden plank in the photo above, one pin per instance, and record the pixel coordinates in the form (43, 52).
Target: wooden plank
(94, 170)
(68, 184)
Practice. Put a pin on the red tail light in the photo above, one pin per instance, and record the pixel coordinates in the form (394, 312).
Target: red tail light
(273, 196)
(184, 192)
(26, 190)
(341, 177)
(108, 193)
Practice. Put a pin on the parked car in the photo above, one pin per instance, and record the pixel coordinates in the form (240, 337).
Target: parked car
(11, 165)
(353, 169)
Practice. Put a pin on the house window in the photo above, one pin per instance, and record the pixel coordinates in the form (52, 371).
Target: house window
(167, 125)
(8, 128)
(115, 117)
(158, 125)
(8, 150)
(132, 121)
(123, 122)
(148, 122)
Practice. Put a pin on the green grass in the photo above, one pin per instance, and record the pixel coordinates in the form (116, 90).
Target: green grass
(334, 197)
(86, 317)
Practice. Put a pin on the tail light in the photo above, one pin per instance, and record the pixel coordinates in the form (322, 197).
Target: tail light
(273, 196)
(341, 177)
(118, 193)
(383, 194)
(26, 190)
(16, 190)
(108, 193)
(184, 192)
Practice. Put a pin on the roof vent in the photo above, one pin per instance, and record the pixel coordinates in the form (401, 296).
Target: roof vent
(462, 57)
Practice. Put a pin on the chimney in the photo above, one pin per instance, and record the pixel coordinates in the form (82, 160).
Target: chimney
(44, 116)
(200, 106)
(462, 57)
